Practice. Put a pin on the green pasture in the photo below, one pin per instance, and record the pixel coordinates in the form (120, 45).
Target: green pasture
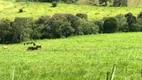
(87, 57)
(9, 9)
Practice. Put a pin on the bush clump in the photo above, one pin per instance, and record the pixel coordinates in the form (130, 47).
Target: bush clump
(69, 1)
(82, 16)
(64, 25)
(59, 25)
(73, 20)
(122, 23)
(110, 25)
(5, 30)
(57, 29)
(99, 23)
(54, 4)
(87, 27)
(38, 27)
(131, 19)
(140, 15)
(21, 29)
(135, 28)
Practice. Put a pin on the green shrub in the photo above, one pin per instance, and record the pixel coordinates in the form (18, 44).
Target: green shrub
(139, 22)
(54, 4)
(5, 31)
(86, 27)
(69, 1)
(20, 10)
(103, 2)
(36, 31)
(57, 29)
(46, 32)
(59, 16)
(82, 16)
(140, 15)
(118, 3)
(16, 31)
(21, 29)
(135, 28)
(60, 25)
(73, 20)
(124, 28)
(46, 0)
(66, 30)
(131, 19)
(122, 23)
(42, 19)
(38, 27)
(99, 23)
(110, 25)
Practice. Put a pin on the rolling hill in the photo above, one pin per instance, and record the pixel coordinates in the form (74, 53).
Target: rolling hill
(131, 3)
(9, 9)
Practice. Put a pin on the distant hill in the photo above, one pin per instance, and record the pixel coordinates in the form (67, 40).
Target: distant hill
(9, 9)
(135, 3)
(131, 3)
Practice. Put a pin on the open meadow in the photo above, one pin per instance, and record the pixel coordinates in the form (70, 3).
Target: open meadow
(87, 57)
(9, 9)
(98, 56)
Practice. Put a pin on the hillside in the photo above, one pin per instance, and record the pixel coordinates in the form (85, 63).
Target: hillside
(131, 3)
(10, 10)
(135, 3)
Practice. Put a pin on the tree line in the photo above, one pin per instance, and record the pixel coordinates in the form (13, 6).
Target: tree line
(65, 25)
(114, 3)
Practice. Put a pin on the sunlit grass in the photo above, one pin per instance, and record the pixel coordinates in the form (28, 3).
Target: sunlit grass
(76, 58)
(10, 10)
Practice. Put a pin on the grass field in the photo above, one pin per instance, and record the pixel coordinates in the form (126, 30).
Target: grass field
(87, 57)
(10, 10)
(76, 58)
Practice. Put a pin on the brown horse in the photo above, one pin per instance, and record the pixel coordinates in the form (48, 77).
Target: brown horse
(32, 48)
(29, 43)
(38, 46)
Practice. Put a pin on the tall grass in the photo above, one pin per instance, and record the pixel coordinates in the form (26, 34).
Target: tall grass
(75, 58)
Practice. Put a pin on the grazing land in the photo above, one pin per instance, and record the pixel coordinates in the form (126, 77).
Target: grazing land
(75, 58)
(86, 57)
(10, 10)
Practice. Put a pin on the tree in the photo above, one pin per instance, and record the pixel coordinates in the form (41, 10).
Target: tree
(140, 15)
(130, 19)
(21, 29)
(103, 2)
(110, 25)
(117, 3)
(5, 27)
